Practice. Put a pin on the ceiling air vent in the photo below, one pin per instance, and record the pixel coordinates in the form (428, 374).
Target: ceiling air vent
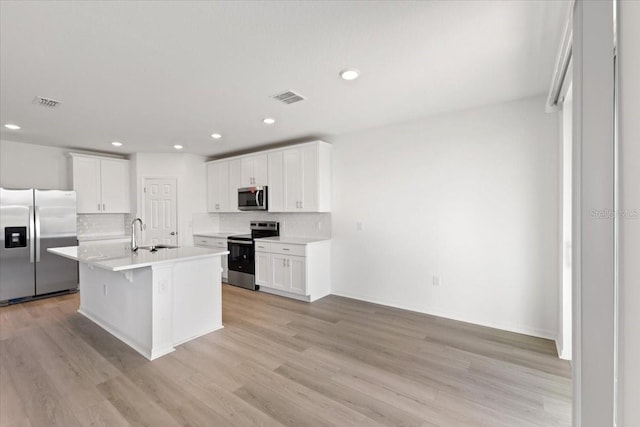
(46, 102)
(288, 97)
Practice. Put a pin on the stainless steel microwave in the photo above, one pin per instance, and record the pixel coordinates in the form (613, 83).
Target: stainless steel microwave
(252, 199)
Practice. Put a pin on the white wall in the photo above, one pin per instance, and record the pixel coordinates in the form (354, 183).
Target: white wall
(33, 166)
(629, 89)
(188, 169)
(471, 197)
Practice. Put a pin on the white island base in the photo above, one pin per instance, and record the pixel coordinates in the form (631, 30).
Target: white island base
(151, 300)
(155, 308)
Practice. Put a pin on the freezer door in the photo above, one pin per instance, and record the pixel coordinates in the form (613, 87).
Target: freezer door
(17, 258)
(55, 223)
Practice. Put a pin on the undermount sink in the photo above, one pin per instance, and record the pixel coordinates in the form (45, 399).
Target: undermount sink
(154, 248)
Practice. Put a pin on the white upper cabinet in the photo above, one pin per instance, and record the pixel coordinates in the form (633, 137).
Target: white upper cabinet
(254, 170)
(298, 177)
(218, 186)
(86, 183)
(276, 182)
(223, 181)
(115, 185)
(102, 184)
(303, 183)
(235, 182)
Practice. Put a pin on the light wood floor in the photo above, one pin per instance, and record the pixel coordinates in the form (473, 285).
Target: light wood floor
(336, 362)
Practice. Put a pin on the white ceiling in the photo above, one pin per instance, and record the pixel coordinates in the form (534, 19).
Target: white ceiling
(154, 74)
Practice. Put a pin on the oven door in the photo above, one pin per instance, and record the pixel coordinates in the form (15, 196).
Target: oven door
(241, 256)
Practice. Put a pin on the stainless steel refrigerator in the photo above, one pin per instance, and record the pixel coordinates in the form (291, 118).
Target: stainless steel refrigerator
(30, 222)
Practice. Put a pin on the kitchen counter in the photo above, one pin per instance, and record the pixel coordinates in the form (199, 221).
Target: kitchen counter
(292, 240)
(152, 301)
(220, 234)
(119, 257)
(103, 237)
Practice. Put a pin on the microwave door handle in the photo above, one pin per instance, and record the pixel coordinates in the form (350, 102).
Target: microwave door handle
(258, 198)
(32, 236)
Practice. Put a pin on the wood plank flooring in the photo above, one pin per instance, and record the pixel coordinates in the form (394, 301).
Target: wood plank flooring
(335, 362)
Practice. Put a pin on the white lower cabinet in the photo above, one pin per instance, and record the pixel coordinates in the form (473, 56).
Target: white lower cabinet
(300, 271)
(263, 269)
(215, 243)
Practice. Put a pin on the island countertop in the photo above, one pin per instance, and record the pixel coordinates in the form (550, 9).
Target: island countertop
(119, 257)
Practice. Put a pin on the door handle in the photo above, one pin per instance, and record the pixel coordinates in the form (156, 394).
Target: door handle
(32, 235)
(37, 248)
(173, 233)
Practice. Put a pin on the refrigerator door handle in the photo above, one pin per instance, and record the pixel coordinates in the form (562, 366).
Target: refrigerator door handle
(32, 236)
(37, 248)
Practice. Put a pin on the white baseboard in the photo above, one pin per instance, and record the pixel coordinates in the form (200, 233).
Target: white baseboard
(562, 353)
(518, 329)
(285, 294)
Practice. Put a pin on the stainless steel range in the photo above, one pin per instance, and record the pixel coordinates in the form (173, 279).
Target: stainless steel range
(242, 253)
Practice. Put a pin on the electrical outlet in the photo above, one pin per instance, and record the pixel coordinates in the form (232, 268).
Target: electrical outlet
(436, 280)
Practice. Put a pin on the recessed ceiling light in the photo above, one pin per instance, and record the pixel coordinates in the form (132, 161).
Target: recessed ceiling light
(178, 147)
(12, 127)
(269, 121)
(216, 136)
(349, 74)
(116, 144)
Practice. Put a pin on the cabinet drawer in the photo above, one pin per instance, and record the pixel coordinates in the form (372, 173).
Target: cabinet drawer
(263, 247)
(210, 241)
(288, 249)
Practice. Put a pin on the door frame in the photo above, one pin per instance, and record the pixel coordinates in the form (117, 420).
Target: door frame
(595, 222)
(143, 203)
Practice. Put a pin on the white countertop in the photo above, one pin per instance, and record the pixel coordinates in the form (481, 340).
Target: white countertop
(292, 240)
(118, 256)
(220, 234)
(102, 237)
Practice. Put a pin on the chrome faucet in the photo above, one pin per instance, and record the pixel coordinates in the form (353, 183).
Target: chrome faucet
(134, 243)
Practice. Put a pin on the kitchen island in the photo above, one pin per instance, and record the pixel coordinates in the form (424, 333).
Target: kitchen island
(152, 301)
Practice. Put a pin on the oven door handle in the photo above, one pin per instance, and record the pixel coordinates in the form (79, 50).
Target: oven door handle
(240, 242)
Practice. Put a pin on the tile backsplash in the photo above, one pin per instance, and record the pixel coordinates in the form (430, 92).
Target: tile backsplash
(291, 224)
(96, 225)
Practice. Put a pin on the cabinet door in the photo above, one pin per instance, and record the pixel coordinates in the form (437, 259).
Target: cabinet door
(246, 171)
(280, 277)
(263, 269)
(296, 266)
(308, 178)
(114, 186)
(260, 169)
(223, 186)
(86, 183)
(211, 187)
(291, 177)
(217, 186)
(254, 170)
(235, 182)
(276, 182)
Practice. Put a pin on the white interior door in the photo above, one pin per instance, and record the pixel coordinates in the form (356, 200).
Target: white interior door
(160, 211)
